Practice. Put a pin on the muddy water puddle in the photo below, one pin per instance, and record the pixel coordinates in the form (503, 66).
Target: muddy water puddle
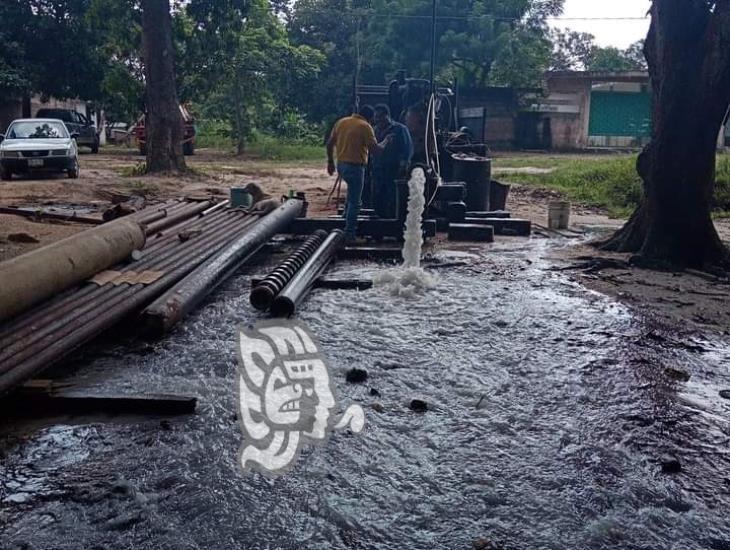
(553, 415)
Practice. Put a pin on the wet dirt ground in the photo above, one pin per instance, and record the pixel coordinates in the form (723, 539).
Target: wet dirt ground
(556, 416)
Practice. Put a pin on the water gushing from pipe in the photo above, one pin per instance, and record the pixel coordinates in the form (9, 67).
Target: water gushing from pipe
(413, 233)
(410, 280)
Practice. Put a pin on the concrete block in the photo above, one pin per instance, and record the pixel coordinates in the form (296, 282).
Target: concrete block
(507, 227)
(471, 232)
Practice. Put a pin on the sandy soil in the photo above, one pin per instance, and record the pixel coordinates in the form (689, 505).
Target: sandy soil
(701, 301)
(105, 176)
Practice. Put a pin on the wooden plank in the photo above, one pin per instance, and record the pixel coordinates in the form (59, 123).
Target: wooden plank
(50, 398)
(43, 215)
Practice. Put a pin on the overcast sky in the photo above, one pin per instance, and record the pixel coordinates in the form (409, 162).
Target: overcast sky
(608, 33)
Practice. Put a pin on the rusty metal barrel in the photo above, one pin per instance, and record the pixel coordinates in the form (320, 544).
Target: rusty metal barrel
(263, 294)
(476, 172)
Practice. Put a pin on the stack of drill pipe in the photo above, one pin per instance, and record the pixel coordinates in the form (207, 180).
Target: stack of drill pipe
(181, 299)
(264, 292)
(285, 304)
(31, 278)
(34, 341)
(178, 216)
(25, 324)
(73, 322)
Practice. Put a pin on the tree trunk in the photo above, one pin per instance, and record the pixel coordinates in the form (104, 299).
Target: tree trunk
(164, 124)
(688, 52)
(240, 130)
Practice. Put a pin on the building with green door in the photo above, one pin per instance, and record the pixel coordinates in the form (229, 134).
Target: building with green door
(590, 109)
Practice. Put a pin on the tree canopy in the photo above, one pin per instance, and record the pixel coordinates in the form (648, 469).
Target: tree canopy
(579, 51)
(264, 64)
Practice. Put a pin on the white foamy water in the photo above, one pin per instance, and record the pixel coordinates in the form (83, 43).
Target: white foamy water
(410, 281)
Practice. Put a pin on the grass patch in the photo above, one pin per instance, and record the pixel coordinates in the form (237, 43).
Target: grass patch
(142, 188)
(611, 182)
(608, 182)
(135, 171)
(271, 148)
(216, 134)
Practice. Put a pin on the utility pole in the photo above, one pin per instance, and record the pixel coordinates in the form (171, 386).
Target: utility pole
(433, 48)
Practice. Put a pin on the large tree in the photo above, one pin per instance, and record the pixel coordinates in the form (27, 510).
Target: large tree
(480, 43)
(164, 126)
(688, 53)
(240, 60)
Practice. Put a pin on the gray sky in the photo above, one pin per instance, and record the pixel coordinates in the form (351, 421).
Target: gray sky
(608, 33)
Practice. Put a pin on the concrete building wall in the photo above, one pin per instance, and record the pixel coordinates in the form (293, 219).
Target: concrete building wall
(499, 108)
(569, 128)
(568, 105)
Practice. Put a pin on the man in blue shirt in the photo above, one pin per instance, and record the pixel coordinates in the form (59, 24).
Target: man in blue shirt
(392, 164)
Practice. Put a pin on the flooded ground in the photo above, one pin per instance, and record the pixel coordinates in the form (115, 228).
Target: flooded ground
(553, 423)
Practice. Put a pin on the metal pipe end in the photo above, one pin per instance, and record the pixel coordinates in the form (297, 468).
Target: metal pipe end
(282, 307)
(261, 297)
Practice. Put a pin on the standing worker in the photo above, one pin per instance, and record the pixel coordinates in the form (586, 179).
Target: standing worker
(354, 139)
(392, 164)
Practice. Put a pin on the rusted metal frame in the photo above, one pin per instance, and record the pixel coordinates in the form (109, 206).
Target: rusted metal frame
(180, 300)
(182, 215)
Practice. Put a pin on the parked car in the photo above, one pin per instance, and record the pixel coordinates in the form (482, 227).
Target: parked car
(118, 132)
(32, 144)
(76, 124)
(188, 133)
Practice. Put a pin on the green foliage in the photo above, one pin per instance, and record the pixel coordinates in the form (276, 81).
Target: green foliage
(578, 50)
(293, 140)
(609, 59)
(605, 182)
(610, 182)
(48, 48)
(213, 133)
(722, 185)
(479, 43)
(267, 147)
(119, 24)
(243, 64)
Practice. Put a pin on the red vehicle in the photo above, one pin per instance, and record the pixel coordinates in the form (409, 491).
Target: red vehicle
(188, 133)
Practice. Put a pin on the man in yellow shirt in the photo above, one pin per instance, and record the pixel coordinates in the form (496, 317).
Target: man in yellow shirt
(353, 139)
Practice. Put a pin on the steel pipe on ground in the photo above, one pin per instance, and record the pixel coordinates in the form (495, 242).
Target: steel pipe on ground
(44, 272)
(180, 300)
(57, 345)
(65, 321)
(266, 289)
(72, 300)
(285, 304)
(179, 216)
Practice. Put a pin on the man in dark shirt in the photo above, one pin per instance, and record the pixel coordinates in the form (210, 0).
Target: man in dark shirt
(392, 163)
